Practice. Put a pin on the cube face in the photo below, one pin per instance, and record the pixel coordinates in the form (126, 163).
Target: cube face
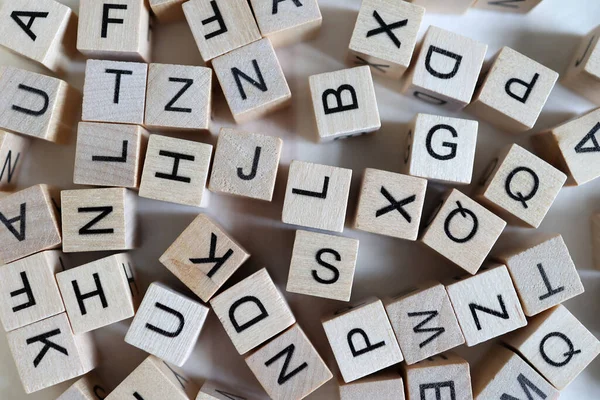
(323, 265)
(387, 386)
(445, 375)
(583, 73)
(344, 103)
(445, 7)
(521, 6)
(316, 196)
(13, 150)
(245, 164)
(390, 204)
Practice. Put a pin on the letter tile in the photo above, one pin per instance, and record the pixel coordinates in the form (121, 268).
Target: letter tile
(13, 151)
(583, 73)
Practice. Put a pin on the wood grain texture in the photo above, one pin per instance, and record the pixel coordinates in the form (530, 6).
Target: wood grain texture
(513, 6)
(383, 386)
(445, 6)
(583, 73)
(167, 11)
(595, 220)
(213, 391)
(87, 388)
(13, 152)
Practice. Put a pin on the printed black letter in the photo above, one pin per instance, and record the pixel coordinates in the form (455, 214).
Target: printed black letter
(337, 94)
(98, 292)
(103, 212)
(528, 86)
(442, 75)
(43, 338)
(187, 84)
(212, 258)
(173, 312)
(500, 314)
(284, 376)
(32, 15)
(336, 272)
(368, 346)
(419, 328)
(28, 111)
(118, 73)
(247, 299)
(25, 290)
(22, 219)
(176, 158)
(218, 18)
(260, 84)
(106, 20)
(451, 146)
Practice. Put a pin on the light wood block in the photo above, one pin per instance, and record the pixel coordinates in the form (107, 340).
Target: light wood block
(109, 154)
(37, 105)
(252, 81)
(13, 151)
(445, 6)
(212, 391)
(446, 70)
(596, 239)
(316, 196)
(486, 305)
(204, 257)
(344, 103)
(98, 220)
(520, 187)
(167, 11)
(220, 26)
(322, 265)
(441, 149)
(175, 170)
(463, 231)
(514, 6)
(252, 311)
(87, 388)
(47, 353)
(114, 91)
(384, 386)
(424, 322)
(30, 223)
(287, 22)
(514, 92)
(362, 339)
(115, 30)
(390, 204)
(289, 367)
(583, 73)
(385, 36)
(557, 345)
(178, 97)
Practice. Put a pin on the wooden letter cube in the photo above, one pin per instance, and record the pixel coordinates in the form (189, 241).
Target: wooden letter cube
(167, 11)
(322, 265)
(98, 219)
(390, 204)
(252, 311)
(316, 196)
(446, 6)
(87, 388)
(13, 149)
(175, 170)
(514, 6)
(289, 367)
(385, 36)
(583, 74)
(362, 340)
(385, 386)
(245, 164)
(212, 391)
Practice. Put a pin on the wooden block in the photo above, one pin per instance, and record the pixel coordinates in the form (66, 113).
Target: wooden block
(362, 339)
(175, 170)
(204, 257)
(287, 22)
(514, 6)
(252, 81)
(316, 196)
(514, 92)
(557, 345)
(220, 26)
(486, 305)
(30, 223)
(87, 388)
(446, 70)
(178, 97)
(344, 103)
(390, 204)
(385, 386)
(446, 6)
(98, 219)
(441, 149)
(385, 36)
(520, 187)
(13, 150)
(109, 154)
(37, 105)
(596, 239)
(48, 353)
(114, 91)
(583, 73)
(252, 311)
(424, 322)
(289, 367)
(212, 391)
(167, 11)
(322, 265)
(115, 30)
(463, 231)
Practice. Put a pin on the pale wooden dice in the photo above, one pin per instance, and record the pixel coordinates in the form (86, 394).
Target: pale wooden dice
(486, 305)
(87, 388)
(344, 103)
(115, 30)
(289, 367)
(176, 170)
(557, 345)
(13, 151)
(252, 311)
(595, 220)
(114, 91)
(424, 322)
(583, 73)
(383, 386)
(520, 187)
(390, 204)
(463, 231)
(384, 36)
(167, 11)
(513, 6)
(37, 105)
(446, 6)
(212, 391)
(47, 353)
(362, 339)
(98, 220)
(316, 196)
(322, 265)
(29, 223)
(446, 70)
(245, 164)
(513, 92)
(441, 149)
(178, 97)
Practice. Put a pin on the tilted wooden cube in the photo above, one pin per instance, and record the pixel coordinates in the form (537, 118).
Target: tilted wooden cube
(583, 74)
(167, 11)
(446, 6)
(514, 6)
(87, 388)
(383, 386)
(13, 151)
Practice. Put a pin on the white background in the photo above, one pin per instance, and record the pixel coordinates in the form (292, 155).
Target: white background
(385, 266)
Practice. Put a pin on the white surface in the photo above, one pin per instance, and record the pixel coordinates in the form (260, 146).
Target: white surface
(549, 34)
